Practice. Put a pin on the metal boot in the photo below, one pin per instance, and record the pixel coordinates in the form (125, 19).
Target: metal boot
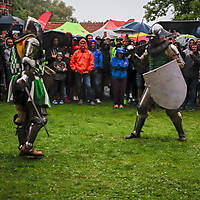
(137, 128)
(21, 132)
(178, 125)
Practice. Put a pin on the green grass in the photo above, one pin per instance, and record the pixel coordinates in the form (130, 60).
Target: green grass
(87, 157)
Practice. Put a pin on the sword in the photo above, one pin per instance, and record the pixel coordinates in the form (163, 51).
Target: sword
(38, 113)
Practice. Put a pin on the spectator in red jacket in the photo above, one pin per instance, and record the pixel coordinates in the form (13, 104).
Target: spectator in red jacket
(82, 62)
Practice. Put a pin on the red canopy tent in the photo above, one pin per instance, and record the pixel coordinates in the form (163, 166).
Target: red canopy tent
(113, 24)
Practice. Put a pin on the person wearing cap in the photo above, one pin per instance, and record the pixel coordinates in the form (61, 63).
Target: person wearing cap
(118, 44)
(119, 74)
(82, 62)
(14, 34)
(158, 53)
(59, 66)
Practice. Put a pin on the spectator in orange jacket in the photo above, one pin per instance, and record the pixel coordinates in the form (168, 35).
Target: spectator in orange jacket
(82, 62)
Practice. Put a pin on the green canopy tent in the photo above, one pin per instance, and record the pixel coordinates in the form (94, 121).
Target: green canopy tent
(74, 28)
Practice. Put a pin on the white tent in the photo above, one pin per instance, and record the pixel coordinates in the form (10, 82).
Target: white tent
(110, 34)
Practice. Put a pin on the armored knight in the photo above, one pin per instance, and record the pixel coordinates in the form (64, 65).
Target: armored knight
(27, 85)
(158, 53)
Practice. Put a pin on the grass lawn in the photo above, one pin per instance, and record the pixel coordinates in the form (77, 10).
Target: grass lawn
(87, 157)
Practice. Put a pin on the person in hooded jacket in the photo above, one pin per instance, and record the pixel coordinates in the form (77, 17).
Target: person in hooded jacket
(96, 74)
(191, 75)
(188, 47)
(119, 74)
(107, 67)
(82, 62)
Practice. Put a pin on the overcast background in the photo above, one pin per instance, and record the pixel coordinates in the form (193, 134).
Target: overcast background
(102, 10)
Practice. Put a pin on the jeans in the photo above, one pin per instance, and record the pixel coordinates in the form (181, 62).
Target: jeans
(83, 83)
(58, 89)
(96, 79)
(119, 88)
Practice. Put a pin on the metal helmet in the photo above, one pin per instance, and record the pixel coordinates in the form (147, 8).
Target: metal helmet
(34, 26)
(120, 50)
(158, 31)
(130, 47)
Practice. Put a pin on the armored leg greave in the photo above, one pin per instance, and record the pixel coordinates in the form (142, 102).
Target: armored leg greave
(143, 108)
(175, 117)
(36, 125)
(22, 134)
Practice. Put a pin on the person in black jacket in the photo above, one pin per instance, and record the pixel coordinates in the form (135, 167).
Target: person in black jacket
(107, 67)
(191, 74)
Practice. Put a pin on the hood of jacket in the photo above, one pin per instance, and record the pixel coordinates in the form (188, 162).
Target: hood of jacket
(95, 44)
(86, 46)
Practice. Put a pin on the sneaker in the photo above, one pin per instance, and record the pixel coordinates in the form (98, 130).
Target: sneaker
(92, 103)
(121, 106)
(116, 106)
(80, 102)
(54, 102)
(67, 100)
(75, 98)
(190, 108)
(61, 102)
(98, 100)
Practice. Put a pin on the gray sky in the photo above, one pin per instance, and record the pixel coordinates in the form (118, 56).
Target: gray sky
(101, 10)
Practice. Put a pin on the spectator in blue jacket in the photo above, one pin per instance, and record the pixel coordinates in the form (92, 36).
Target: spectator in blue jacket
(96, 74)
(119, 74)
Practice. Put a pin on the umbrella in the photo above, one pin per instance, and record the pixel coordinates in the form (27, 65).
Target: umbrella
(122, 30)
(8, 20)
(110, 34)
(137, 27)
(183, 39)
(50, 35)
(138, 37)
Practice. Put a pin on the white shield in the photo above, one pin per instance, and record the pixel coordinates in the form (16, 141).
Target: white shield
(167, 85)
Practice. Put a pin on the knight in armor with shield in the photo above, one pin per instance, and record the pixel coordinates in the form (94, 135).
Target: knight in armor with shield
(27, 90)
(158, 53)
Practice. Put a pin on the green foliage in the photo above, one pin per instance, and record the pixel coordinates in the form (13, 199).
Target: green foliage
(87, 157)
(60, 12)
(182, 10)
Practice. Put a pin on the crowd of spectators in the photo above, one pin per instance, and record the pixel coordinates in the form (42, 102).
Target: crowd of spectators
(91, 70)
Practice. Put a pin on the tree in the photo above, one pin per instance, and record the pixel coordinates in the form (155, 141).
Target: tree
(60, 12)
(182, 9)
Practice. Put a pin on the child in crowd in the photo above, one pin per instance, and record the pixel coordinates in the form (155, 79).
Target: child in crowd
(59, 67)
(119, 74)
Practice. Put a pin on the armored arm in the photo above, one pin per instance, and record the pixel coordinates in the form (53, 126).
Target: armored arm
(173, 54)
